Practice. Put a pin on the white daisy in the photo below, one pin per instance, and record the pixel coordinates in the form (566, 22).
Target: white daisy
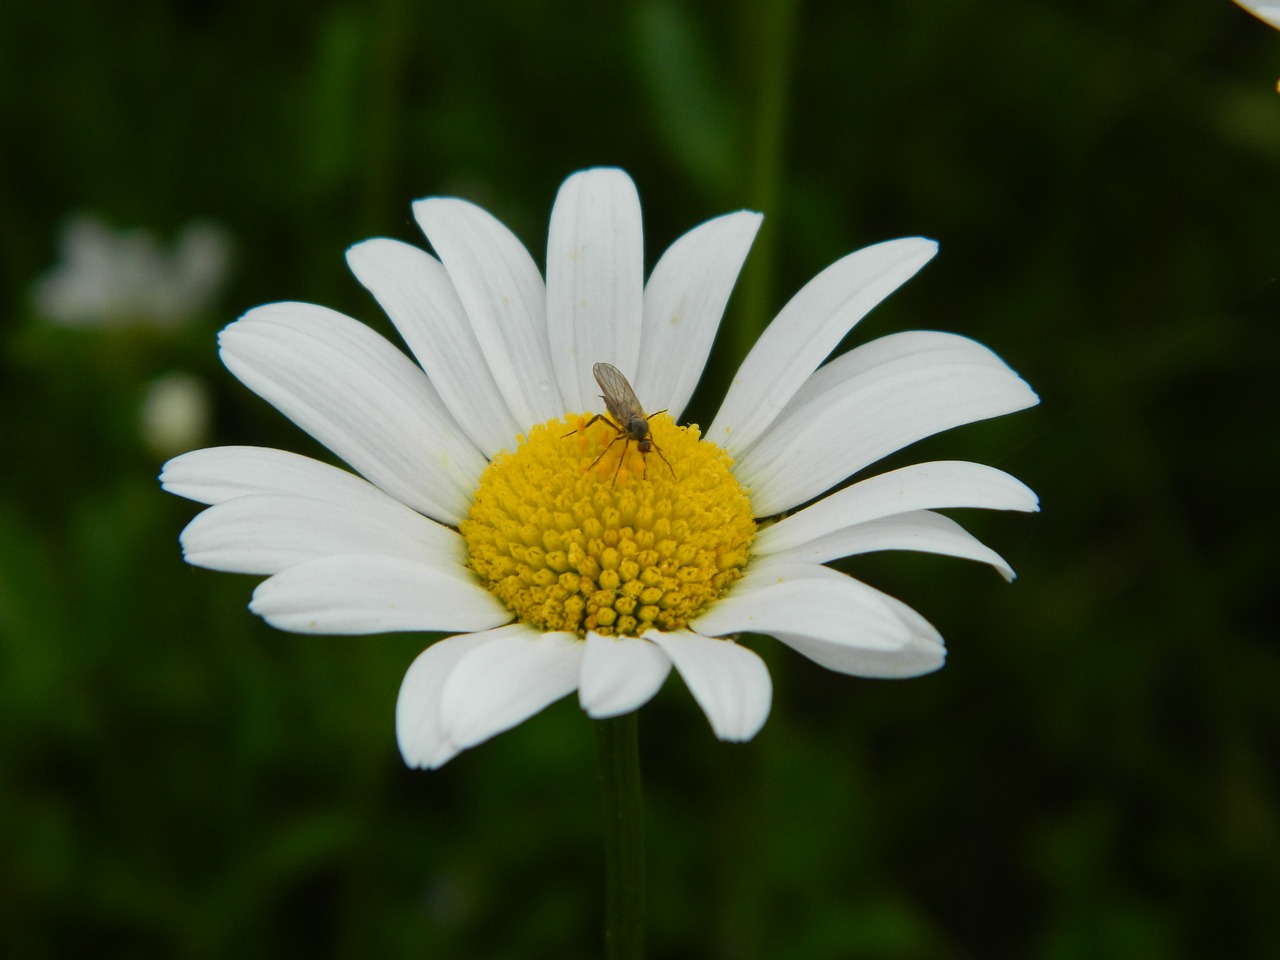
(485, 506)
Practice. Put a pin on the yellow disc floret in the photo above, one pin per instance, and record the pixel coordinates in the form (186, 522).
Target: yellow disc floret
(580, 532)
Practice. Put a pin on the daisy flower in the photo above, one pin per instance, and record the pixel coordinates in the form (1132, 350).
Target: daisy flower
(490, 502)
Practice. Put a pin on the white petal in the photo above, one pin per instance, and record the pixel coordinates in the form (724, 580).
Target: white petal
(415, 291)
(503, 293)
(916, 657)
(838, 622)
(923, 653)
(216, 474)
(765, 571)
(921, 486)
(683, 303)
(843, 612)
(595, 278)
(922, 531)
(418, 729)
(1268, 13)
(807, 329)
(500, 684)
(620, 674)
(930, 347)
(267, 533)
(359, 396)
(870, 402)
(730, 683)
(353, 594)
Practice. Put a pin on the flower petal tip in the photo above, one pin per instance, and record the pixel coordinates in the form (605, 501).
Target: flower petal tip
(928, 656)
(742, 734)
(427, 207)
(432, 758)
(362, 250)
(165, 474)
(926, 248)
(600, 174)
(619, 675)
(602, 711)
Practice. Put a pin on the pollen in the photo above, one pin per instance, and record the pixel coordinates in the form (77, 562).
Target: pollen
(580, 532)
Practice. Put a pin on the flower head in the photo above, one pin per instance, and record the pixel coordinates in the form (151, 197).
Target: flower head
(565, 550)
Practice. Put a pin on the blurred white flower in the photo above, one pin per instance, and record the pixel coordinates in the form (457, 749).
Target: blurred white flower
(175, 414)
(114, 278)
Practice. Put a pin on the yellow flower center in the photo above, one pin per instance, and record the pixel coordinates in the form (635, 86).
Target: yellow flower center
(584, 532)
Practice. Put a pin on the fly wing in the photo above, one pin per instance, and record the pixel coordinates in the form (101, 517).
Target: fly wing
(619, 398)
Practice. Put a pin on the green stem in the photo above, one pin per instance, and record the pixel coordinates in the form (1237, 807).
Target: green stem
(619, 751)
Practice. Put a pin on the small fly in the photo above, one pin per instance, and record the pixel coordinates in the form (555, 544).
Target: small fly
(625, 416)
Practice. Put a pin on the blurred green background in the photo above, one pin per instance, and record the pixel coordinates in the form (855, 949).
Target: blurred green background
(1093, 775)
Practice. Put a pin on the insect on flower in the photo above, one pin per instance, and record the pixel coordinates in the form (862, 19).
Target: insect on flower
(625, 415)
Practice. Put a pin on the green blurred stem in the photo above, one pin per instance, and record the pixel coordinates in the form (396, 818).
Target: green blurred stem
(619, 751)
(770, 49)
